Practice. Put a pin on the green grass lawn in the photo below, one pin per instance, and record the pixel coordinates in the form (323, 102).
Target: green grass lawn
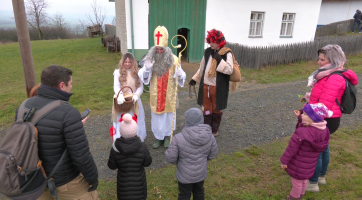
(93, 70)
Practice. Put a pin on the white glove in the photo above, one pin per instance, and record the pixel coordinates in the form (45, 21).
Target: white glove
(120, 99)
(135, 98)
(149, 64)
(178, 73)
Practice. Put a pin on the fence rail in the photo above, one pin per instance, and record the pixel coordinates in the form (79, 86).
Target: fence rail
(257, 57)
(335, 28)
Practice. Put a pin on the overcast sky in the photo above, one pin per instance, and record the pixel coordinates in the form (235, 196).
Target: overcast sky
(72, 10)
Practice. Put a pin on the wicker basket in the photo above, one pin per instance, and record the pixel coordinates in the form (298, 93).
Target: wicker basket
(127, 104)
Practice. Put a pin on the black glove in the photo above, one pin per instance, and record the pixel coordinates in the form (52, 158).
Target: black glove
(192, 82)
(217, 57)
(94, 186)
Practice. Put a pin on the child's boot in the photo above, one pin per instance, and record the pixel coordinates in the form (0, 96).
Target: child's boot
(166, 143)
(216, 120)
(157, 144)
(322, 180)
(290, 197)
(312, 187)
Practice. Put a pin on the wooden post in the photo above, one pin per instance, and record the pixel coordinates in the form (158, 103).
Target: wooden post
(24, 44)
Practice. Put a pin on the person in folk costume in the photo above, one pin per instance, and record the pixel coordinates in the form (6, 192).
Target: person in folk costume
(213, 75)
(127, 75)
(160, 71)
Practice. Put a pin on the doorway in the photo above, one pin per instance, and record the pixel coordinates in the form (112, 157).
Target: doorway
(184, 32)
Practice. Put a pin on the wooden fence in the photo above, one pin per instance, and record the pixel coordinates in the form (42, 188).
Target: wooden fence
(257, 57)
(334, 28)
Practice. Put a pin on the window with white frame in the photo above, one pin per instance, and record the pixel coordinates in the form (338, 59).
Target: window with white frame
(256, 24)
(287, 24)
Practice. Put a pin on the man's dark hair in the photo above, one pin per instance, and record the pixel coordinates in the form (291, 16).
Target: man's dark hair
(54, 74)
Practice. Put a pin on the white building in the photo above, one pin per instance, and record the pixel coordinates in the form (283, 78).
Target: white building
(337, 10)
(252, 23)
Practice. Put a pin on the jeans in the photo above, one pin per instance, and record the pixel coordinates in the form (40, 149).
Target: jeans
(359, 26)
(322, 165)
(196, 188)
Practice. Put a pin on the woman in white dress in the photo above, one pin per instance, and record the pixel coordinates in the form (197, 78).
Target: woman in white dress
(127, 75)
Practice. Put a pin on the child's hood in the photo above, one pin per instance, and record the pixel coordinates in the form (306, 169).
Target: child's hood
(198, 135)
(127, 145)
(319, 139)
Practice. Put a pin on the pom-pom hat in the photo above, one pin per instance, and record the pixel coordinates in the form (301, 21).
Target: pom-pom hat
(128, 127)
(317, 112)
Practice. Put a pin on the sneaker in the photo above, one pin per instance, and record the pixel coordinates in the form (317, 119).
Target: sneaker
(322, 180)
(157, 144)
(352, 32)
(166, 144)
(359, 32)
(312, 187)
(216, 134)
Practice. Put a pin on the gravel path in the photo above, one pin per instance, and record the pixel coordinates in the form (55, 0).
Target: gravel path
(256, 114)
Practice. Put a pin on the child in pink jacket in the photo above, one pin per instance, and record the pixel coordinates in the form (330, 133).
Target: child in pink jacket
(311, 137)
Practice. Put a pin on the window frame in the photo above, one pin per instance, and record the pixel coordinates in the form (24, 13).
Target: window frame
(288, 23)
(255, 26)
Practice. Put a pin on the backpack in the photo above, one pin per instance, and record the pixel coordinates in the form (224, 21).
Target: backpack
(21, 172)
(348, 100)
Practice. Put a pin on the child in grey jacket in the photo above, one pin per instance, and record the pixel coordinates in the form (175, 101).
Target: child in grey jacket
(190, 150)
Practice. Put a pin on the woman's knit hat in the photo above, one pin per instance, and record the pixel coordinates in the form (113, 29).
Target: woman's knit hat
(128, 127)
(317, 112)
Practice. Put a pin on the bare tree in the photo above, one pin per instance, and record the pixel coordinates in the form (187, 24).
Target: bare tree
(114, 21)
(59, 21)
(36, 14)
(98, 16)
(81, 28)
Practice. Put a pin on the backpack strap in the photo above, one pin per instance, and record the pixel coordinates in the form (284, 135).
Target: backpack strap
(50, 181)
(57, 165)
(21, 111)
(339, 73)
(347, 83)
(39, 114)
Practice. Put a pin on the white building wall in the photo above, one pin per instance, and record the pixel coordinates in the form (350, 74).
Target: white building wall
(233, 19)
(140, 24)
(335, 11)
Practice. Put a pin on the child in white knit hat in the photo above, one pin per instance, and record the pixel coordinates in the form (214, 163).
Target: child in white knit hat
(129, 155)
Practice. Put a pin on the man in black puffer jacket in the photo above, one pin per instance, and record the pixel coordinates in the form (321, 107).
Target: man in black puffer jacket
(62, 129)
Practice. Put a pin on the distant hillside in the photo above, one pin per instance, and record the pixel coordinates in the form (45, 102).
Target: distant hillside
(7, 19)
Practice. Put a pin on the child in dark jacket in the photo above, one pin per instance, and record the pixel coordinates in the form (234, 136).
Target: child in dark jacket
(190, 150)
(311, 137)
(129, 155)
